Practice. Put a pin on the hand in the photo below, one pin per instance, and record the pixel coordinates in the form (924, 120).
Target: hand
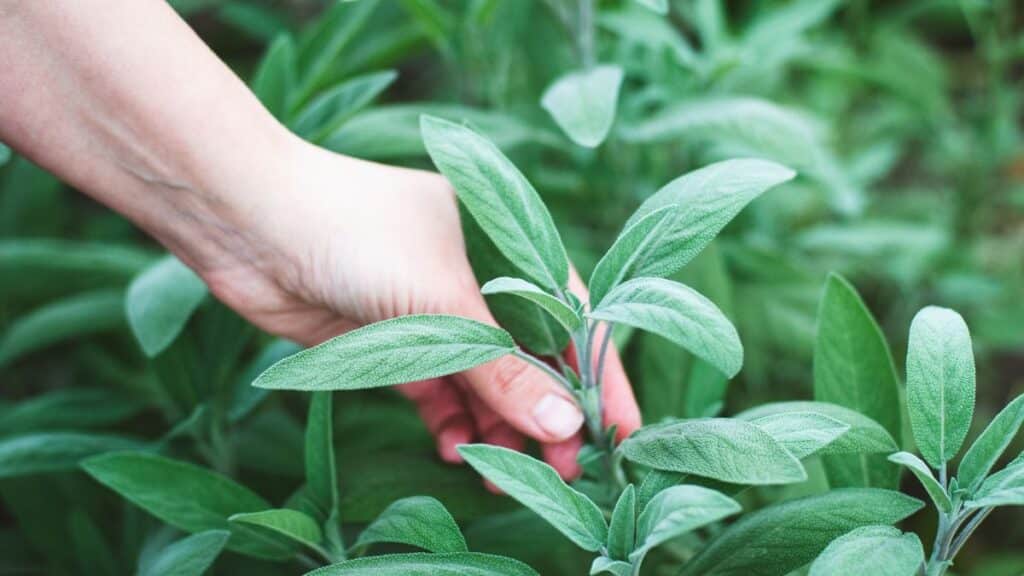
(357, 242)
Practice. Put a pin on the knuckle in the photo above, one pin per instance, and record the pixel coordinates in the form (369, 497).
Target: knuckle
(510, 375)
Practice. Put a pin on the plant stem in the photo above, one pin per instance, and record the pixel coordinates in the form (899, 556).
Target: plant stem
(544, 366)
(968, 530)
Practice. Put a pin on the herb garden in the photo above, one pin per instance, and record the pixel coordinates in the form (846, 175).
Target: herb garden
(800, 223)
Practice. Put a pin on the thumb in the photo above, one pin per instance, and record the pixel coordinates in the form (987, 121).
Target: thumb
(523, 394)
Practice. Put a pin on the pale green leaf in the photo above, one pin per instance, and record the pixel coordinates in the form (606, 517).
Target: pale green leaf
(191, 556)
(290, 525)
(1004, 488)
(924, 475)
(558, 310)
(622, 527)
(583, 103)
(679, 313)
(784, 537)
(986, 450)
(605, 565)
(676, 511)
(41, 452)
(940, 383)
(403, 349)
(875, 550)
(160, 301)
(419, 521)
(320, 51)
(538, 487)
(329, 111)
(659, 6)
(500, 199)
(802, 433)
(719, 448)
(864, 434)
(424, 564)
(658, 240)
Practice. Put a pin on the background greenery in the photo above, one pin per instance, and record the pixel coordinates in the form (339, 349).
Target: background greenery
(903, 119)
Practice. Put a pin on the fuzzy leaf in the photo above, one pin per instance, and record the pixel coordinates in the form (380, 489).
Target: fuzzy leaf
(1004, 488)
(719, 448)
(329, 111)
(605, 565)
(986, 450)
(583, 103)
(403, 349)
(622, 528)
(419, 521)
(924, 475)
(160, 301)
(864, 436)
(537, 486)
(853, 368)
(781, 538)
(802, 433)
(679, 313)
(424, 564)
(191, 556)
(558, 310)
(41, 452)
(676, 511)
(291, 525)
(940, 383)
(500, 199)
(875, 550)
(672, 226)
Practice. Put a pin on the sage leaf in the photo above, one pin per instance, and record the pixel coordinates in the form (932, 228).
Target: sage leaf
(41, 452)
(71, 408)
(537, 486)
(659, 6)
(320, 50)
(191, 556)
(403, 349)
(160, 301)
(274, 79)
(321, 469)
(605, 565)
(854, 369)
(654, 482)
(558, 310)
(676, 511)
(329, 111)
(51, 268)
(863, 436)
(419, 521)
(500, 199)
(1004, 488)
(719, 448)
(583, 103)
(781, 538)
(424, 564)
(622, 528)
(876, 550)
(696, 207)
(940, 383)
(678, 313)
(986, 450)
(802, 433)
(924, 475)
(291, 525)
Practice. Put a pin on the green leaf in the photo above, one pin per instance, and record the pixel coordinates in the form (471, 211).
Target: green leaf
(191, 556)
(321, 50)
(537, 486)
(854, 369)
(986, 450)
(424, 564)
(183, 495)
(672, 226)
(622, 528)
(875, 550)
(676, 511)
(558, 310)
(500, 199)
(73, 317)
(583, 103)
(404, 349)
(924, 475)
(802, 433)
(321, 470)
(5, 154)
(329, 111)
(679, 313)
(719, 448)
(603, 564)
(1004, 488)
(274, 79)
(291, 525)
(70, 408)
(940, 383)
(160, 301)
(654, 482)
(659, 6)
(55, 451)
(419, 521)
(781, 538)
(864, 435)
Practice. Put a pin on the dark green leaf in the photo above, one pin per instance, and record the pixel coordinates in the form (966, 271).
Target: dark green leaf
(321, 470)
(423, 564)
(289, 525)
(191, 556)
(274, 80)
(70, 408)
(55, 451)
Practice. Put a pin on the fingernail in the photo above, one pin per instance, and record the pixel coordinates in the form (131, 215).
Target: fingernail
(557, 416)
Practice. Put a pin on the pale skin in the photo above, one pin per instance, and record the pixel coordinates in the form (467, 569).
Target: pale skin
(124, 102)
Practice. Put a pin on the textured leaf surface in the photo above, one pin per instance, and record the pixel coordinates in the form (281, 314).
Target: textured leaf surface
(289, 524)
(986, 450)
(719, 448)
(875, 550)
(622, 528)
(583, 103)
(605, 565)
(672, 226)
(558, 310)
(802, 433)
(160, 301)
(458, 564)
(940, 383)
(678, 510)
(679, 313)
(419, 521)
(404, 349)
(924, 475)
(500, 199)
(191, 556)
(864, 434)
(1004, 488)
(784, 537)
(538, 487)
(41, 452)
(853, 368)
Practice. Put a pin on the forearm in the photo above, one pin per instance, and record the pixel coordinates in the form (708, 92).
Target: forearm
(123, 101)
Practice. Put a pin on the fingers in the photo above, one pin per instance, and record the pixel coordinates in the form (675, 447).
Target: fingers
(443, 410)
(562, 456)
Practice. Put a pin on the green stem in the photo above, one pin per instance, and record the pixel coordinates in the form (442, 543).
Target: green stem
(544, 367)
